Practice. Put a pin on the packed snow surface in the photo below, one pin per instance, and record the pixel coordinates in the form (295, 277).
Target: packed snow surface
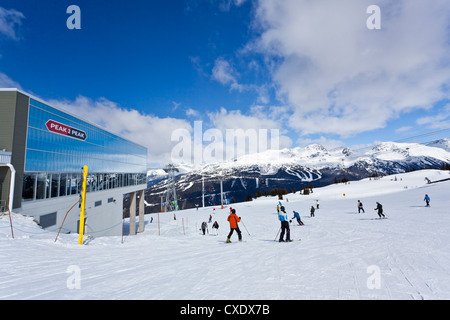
(341, 254)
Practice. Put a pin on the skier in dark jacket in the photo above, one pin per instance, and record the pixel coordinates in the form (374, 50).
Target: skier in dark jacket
(216, 226)
(360, 207)
(204, 227)
(380, 210)
(312, 211)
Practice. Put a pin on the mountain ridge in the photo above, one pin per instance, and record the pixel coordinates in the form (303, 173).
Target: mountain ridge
(294, 169)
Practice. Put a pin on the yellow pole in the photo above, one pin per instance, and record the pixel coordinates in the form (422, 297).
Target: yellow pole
(83, 205)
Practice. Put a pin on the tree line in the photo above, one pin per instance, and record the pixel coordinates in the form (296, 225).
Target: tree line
(280, 192)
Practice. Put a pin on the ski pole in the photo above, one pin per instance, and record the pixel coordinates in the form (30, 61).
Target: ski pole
(277, 235)
(245, 227)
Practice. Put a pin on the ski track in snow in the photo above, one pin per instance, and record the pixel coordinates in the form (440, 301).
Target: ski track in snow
(411, 249)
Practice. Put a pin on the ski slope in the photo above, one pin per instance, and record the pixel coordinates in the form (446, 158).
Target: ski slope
(341, 255)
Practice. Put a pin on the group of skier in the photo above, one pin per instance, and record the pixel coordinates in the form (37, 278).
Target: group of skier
(204, 227)
(233, 219)
(283, 217)
(379, 209)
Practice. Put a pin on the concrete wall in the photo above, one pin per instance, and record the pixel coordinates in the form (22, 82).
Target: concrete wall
(104, 211)
(13, 136)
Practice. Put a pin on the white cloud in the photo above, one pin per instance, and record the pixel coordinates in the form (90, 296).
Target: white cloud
(403, 129)
(7, 82)
(340, 77)
(192, 113)
(224, 73)
(175, 105)
(10, 19)
(439, 121)
(256, 120)
(225, 5)
(147, 130)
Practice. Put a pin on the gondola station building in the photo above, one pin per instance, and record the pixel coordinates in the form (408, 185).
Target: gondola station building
(42, 154)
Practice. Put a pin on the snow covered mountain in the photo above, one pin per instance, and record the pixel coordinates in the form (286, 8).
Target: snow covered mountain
(297, 168)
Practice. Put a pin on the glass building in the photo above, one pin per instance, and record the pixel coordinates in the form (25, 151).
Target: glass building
(49, 148)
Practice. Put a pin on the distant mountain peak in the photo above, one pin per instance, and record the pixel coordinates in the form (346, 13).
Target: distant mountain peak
(296, 168)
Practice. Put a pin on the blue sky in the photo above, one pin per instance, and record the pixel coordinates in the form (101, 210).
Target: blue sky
(311, 69)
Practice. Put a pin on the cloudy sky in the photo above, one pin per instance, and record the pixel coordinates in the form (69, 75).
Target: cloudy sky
(312, 69)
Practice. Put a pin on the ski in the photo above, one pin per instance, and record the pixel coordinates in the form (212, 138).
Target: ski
(243, 241)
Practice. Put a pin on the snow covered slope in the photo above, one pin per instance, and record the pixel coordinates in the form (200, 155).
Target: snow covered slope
(341, 255)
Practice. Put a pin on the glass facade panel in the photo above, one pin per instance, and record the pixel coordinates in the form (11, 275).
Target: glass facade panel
(59, 145)
(41, 186)
(51, 149)
(28, 186)
(63, 185)
(55, 185)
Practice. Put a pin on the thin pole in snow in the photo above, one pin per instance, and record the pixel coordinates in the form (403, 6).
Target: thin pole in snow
(203, 191)
(123, 223)
(10, 222)
(277, 235)
(182, 220)
(245, 227)
(65, 219)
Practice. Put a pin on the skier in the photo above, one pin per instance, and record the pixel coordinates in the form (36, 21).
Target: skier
(204, 227)
(312, 211)
(427, 200)
(297, 216)
(360, 207)
(216, 226)
(317, 204)
(283, 217)
(210, 219)
(233, 219)
(380, 210)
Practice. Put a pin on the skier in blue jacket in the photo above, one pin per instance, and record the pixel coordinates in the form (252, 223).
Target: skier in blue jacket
(427, 200)
(297, 216)
(283, 217)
